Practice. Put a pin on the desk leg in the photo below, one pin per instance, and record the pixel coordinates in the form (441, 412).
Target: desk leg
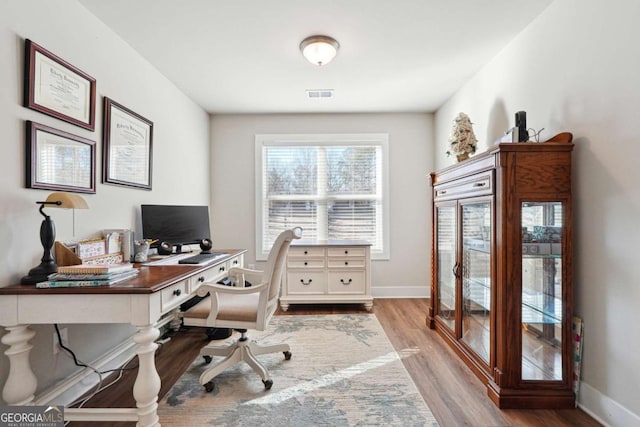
(21, 383)
(147, 385)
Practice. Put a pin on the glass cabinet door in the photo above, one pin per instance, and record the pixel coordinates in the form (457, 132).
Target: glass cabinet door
(476, 277)
(542, 290)
(446, 263)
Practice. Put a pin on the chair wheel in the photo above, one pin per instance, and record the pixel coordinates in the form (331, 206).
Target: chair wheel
(207, 359)
(209, 386)
(287, 355)
(268, 384)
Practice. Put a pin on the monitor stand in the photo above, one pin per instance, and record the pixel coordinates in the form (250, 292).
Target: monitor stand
(178, 250)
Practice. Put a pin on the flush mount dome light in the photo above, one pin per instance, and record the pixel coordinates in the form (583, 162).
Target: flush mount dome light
(319, 50)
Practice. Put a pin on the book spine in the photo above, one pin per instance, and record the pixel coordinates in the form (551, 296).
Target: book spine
(89, 269)
(71, 283)
(85, 270)
(56, 277)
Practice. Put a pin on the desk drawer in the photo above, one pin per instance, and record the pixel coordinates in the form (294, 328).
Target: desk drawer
(346, 263)
(347, 252)
(210, 275)
(174, 295)
(305, 252)
(235, 262)
(306, 282)
(305, 263)
(347, 282)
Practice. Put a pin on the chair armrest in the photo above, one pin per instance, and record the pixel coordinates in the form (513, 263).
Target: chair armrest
(237, 275)
(243, 270)
(213, 288)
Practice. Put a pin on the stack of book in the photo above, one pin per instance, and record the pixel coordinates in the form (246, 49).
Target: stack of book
(73, 276)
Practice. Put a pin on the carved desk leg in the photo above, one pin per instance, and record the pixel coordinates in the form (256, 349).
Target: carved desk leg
(147, 385)
(21, 383)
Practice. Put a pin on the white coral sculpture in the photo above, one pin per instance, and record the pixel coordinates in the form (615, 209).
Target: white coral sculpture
(462, 139)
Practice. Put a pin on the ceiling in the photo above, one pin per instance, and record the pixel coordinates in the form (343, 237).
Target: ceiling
(242, 56)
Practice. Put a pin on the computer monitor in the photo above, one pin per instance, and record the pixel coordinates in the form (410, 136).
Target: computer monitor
(175, 224)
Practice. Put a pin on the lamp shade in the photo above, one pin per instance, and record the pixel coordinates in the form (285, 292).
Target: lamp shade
(319, 50)
(65, 201)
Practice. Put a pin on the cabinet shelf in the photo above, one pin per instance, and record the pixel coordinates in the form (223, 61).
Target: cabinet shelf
(534, 311)
(479, 245)
(479, 291)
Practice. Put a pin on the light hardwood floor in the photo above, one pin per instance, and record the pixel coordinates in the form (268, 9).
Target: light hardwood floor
(454, 394)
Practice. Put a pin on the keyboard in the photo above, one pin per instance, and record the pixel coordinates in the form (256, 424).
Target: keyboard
(202, 258)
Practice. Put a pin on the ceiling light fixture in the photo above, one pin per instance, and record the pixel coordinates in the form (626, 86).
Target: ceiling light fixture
(319, 50)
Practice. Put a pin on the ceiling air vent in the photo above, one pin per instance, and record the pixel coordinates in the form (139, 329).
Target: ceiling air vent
(319, 93)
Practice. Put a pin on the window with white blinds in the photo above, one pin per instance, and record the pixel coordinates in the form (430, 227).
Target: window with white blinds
(333, 186)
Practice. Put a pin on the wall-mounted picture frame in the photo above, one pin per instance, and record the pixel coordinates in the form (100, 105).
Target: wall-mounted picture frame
(53, 86)
(127, 147)
(58, 160)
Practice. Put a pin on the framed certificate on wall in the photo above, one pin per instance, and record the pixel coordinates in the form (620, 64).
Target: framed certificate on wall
(128, 139)
(57, 88)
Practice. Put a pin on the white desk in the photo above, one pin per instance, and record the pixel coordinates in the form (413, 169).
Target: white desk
(140, 302)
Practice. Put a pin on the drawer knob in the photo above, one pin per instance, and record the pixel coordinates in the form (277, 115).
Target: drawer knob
(306, 283)
(306, 263)
(346, 263)
(347, 282)
(305, 252)
(443, 191)
(479, 184)
(221, 268)
(235, 262)
(177, 292)
(346, 252)
(201, 279)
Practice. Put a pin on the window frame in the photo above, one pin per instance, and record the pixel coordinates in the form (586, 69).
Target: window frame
(366, 139)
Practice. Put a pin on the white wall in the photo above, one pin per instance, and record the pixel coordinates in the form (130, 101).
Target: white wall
(576, 68)
(180, 153)
(407, 271)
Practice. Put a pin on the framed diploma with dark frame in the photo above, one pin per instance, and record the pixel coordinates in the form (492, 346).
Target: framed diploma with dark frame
(127, 145)
(58, 160)
(57, 88)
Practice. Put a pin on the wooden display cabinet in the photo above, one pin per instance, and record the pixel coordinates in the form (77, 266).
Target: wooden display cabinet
(501, 289)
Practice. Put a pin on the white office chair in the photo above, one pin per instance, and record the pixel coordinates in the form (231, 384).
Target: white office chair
(243, 308)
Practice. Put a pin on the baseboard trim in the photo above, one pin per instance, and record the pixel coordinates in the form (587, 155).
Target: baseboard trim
(400, 291)
(604, 409)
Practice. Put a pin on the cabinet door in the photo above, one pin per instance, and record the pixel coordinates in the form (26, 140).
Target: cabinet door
(542, 291)
(445, 238)
(476, 276)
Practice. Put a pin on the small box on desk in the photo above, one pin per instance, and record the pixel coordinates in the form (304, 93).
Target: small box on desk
(68, 256)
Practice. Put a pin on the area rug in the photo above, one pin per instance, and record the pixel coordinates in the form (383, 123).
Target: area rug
(343, 372)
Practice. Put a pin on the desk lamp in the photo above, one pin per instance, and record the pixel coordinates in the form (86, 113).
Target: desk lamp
(48, 265)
